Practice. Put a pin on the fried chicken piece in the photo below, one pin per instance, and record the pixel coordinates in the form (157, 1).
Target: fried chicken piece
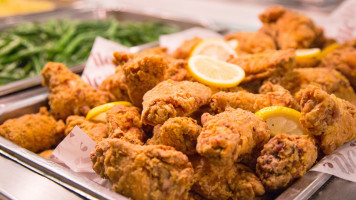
(252, 42)
(125, 123)
(143, 172)
(290, 29)
(179, 132)
(184, 51)
(46, 153)
(330, 119)
(115, 84)
(96, 131)
(264, 65)
(225, 182)
(173, 99)
(285, 158)
(343, 60)
(231, 136)
(271, 95)
(328, 79)
(68, 93)
(34, 132)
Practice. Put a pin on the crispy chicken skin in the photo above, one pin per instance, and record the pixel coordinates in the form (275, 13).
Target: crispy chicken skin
(173, 99)
(285, 158)
(96, 131)
(179, 132)
(68, 93)
(143, 172)
(225, 182)
(330, 119)
(343, 60)
(34, 132)
(231, 136)
(115, 84)
(184, 51)
(290, 29)
(264, 65)
(252, 42)
(271, 95)
(328, 79)
(125, 123)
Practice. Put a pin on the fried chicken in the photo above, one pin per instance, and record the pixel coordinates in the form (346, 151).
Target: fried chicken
(115, 84)
(186, 48)
(34, 132)
(330, 119)
(125, 123)
(46, 153)
(343, 60)
(285, 158)
(68, 93)
(252, 42)
(290, 29)
(264, 65)
(143, 172)
(225, 182)
(179, 132)
(96, 131)
(271, 95)
(328, 79)
(173, 99)
(231, 136)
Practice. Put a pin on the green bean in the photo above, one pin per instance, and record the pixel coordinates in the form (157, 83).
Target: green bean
(13, 45)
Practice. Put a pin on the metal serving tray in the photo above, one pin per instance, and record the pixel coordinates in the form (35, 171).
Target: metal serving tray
(86, 14)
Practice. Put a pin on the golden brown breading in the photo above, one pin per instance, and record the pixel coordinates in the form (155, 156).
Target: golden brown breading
(96, 131)
(34, 132)
(252, 42)
(115, 84)
(179, 132)
(225, 182)
(271, 95)
(68, 93)
(264, 65)
(143, 172)
(285, 158)
(231, 136)
(173, 99)
(125, 123)
(290, 29)
(343, 60)
(330, 119)
(46, 153)
(186, 48)
(328, 79)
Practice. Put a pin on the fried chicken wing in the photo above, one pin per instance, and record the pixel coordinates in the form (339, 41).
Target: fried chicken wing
(264, 65)
(179, 132)
(34, 132)
(231, 136)
(143, 172)
(330, 119)
(186, 48)
(252, 42)
(125, 123)
(173, 99)
(225, 182)
(115, 84)
(290, 29)
(68, 93)
(328, 79)
(96, 131)
(271, 95)
(285, 158)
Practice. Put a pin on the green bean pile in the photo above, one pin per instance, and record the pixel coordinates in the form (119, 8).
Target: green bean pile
(26, 48)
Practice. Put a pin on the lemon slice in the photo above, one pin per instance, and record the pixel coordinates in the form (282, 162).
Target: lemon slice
(307, 53)
(98, 114)
(281, 119)
(214, 72)
(328, 49)
(215, 48)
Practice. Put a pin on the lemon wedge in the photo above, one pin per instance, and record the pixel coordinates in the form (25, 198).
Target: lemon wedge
(215, 48)
(214, 72)
(328, 49)
(98, 114)
(281, 119)
(308, 53)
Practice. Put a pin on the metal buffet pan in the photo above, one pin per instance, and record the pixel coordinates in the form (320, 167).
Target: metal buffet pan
(86, 14)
